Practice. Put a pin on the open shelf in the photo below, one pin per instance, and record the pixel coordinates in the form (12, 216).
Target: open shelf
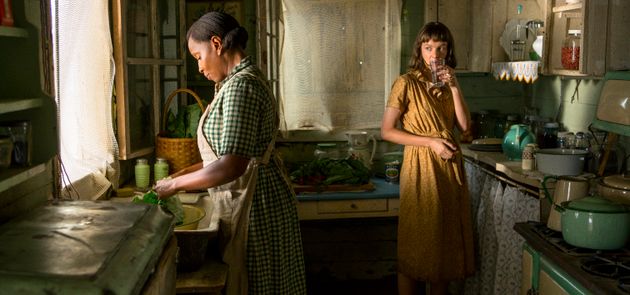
(13, 32)
(13, 176)
(19, 104)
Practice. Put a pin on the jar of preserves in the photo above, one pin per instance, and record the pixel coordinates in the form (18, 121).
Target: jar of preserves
(142, 174)
(160, 169)
(571, 50)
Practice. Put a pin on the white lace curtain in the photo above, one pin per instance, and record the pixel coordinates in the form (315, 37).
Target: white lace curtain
(496, 207)
(84, 75)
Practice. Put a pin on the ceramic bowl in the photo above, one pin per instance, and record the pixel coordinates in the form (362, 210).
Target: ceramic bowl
(192, 216)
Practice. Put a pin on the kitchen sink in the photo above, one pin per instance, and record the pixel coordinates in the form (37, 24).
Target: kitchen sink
(194, 244)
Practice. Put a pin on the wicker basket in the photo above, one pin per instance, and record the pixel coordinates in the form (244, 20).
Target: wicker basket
(179, 152)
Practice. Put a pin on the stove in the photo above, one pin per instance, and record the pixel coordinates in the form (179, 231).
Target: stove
(599, 271)
(82, 247)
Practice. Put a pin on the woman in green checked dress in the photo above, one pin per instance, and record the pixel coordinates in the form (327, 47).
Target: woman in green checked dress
(259, 229)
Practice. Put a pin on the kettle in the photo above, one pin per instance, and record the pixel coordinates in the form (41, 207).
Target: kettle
(515, 141)
(358, 142)
(567, 189)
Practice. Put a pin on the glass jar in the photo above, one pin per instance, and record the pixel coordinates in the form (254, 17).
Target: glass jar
(142, 174)
(483, 125)
(550, 135)
(581, 141)
(571, 50)
(21, 137)
(160, 169)
(326, 150)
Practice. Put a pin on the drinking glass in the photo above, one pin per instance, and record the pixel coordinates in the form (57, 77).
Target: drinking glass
(436, 65)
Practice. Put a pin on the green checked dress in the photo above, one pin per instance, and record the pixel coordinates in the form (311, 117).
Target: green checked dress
(243, 122)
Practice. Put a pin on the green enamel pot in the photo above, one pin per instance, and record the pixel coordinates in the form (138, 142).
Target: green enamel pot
(595, 223)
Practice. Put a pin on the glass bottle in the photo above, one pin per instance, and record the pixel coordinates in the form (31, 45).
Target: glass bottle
(142, 174)
(571, 50)
(20, 135)
(482, 124)
(160, 169)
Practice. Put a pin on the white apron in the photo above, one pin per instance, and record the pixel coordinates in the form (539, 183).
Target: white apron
(232, 202)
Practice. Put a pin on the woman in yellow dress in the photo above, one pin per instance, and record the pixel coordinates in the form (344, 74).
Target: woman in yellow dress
(435, 238)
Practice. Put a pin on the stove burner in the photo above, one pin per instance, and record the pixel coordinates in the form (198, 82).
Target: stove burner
(624, 284)
(609, 268)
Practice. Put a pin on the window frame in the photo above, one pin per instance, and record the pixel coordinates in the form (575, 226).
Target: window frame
(123, 61)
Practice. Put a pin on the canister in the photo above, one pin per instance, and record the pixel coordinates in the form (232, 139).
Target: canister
(528, 162)
(160, 169)
(392, 171)
(142, 174)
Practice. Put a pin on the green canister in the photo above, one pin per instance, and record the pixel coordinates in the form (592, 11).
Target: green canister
(160, 169)
(142, 170)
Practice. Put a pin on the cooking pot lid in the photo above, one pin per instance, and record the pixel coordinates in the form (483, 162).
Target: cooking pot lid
(595, 205)
(618, 181)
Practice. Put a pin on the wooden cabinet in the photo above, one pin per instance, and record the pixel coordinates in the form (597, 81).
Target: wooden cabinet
(477, 26)
(603, 43)
(26, 95)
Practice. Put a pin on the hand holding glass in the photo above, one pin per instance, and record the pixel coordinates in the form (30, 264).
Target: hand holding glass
(437, 65)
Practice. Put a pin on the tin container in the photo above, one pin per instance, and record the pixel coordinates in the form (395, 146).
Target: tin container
(392, 171)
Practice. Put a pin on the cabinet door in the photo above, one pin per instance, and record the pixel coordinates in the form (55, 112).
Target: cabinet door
(604, 43)
(553, 280)
(477, 26)
(149, 53)
(528, 271)
(456, 16)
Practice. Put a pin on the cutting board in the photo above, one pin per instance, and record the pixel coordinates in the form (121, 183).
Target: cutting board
(305, 188)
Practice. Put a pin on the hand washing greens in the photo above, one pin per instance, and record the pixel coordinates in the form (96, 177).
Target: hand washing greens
(330, 171)
(172, 205)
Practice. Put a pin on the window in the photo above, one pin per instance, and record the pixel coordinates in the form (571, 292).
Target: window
(150, 64)
(331, 63)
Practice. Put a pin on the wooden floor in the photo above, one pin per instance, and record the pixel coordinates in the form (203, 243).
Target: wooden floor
(384, 286)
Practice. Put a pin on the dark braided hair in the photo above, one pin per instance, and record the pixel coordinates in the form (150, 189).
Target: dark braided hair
(435, 31)
(222, 25)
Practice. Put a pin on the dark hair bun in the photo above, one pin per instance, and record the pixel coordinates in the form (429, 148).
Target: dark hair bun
(236, 37)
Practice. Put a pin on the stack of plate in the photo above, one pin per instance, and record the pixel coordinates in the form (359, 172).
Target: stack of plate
(487, 145)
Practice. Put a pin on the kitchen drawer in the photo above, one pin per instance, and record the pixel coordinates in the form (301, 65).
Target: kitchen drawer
(348, 206)
(354, 208)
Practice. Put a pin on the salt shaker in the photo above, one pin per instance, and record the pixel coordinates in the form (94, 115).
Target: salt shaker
(527, 163)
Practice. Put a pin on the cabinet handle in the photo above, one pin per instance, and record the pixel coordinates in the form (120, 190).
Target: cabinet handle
(354, 206)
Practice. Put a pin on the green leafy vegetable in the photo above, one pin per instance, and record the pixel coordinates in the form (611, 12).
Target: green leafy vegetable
(330, 171)
(172, 205)
(184, 124)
